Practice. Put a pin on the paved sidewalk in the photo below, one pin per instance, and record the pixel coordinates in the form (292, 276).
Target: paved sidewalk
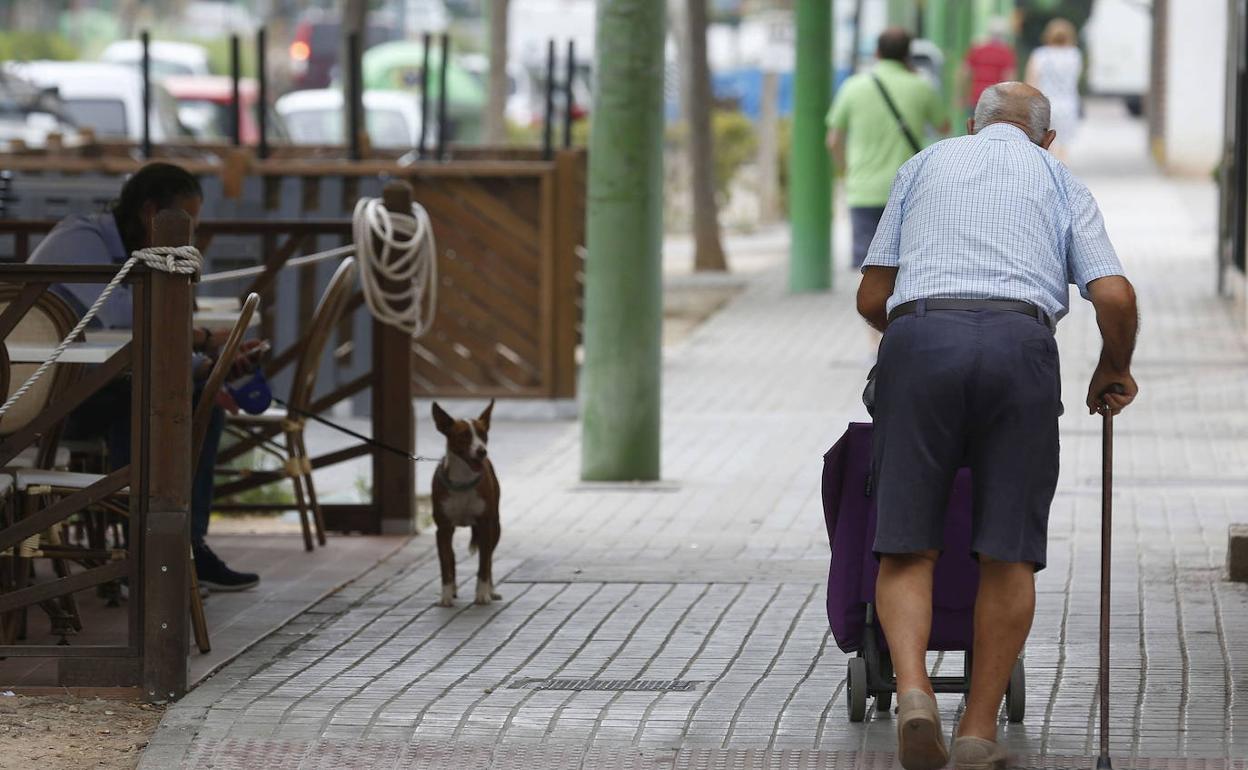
(716, 576)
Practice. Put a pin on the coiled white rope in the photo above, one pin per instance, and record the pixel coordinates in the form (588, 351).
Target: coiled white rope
(407, 260)
(182, 260)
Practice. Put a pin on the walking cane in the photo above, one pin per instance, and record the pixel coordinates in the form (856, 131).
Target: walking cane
(1107, 511)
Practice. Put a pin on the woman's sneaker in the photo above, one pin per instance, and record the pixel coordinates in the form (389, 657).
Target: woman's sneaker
(214, 575)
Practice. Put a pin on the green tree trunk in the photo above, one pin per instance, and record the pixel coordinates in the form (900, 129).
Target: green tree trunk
(810, 174)
(623, 271)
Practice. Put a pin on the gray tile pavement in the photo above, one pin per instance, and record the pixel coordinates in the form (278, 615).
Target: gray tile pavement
(717, 575)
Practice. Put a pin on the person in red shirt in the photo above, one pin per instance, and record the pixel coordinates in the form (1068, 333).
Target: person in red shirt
(988, 62)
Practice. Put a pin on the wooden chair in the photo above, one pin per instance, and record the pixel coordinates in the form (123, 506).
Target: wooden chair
(259, 430)
(47, 322)
(46, 484)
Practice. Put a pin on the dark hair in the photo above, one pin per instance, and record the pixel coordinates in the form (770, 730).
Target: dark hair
(894, 44)
(160, 183)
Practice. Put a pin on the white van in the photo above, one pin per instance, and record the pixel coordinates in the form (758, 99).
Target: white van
(314, 116)
(1118, 36)
(107, 98)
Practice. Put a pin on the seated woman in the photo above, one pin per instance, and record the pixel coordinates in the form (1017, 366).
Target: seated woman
(109, 238)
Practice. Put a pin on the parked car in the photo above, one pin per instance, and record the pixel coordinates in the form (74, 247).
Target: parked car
(315, 116)
(107, 98)
(29, 113)
(317, 45)
(398, 65)
(206, 108)
(167, 58)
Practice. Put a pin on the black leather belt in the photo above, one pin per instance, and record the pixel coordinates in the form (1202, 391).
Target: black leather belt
(1009, 305)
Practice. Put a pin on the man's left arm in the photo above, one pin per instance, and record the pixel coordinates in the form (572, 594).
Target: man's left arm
(879, 269)
(873, 293)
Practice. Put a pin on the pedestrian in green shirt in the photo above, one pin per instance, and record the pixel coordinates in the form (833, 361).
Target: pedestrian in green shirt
(877, 122)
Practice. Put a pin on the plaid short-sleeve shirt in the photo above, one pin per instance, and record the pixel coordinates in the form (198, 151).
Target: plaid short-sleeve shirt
(991, 216)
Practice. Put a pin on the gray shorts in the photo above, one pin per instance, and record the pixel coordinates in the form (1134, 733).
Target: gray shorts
(977, 388)
(864, 220)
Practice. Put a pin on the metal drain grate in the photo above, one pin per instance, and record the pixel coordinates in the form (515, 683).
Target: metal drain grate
(608, 685)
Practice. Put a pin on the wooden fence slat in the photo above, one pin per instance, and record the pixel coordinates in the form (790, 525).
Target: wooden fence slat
(467, 313)
(19, 307)
(63, 508)
(26, 597)
(449, 216)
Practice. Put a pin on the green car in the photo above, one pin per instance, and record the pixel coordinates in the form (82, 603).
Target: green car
(397, 66)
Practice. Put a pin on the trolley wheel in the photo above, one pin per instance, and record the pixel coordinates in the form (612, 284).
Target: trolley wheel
(856, 695)
(1016, 693)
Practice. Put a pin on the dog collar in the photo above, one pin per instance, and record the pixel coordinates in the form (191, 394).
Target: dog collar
(451, 485)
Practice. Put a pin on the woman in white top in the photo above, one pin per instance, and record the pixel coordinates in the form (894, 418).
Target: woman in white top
(1054, 68)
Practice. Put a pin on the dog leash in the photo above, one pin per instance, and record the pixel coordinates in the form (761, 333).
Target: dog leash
(366, 439)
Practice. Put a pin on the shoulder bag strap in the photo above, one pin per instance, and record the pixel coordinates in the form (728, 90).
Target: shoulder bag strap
(914, 143)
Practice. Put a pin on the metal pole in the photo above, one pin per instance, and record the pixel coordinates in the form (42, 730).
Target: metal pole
(569, 98)
(146, 39)
(623, 273)
(442, 122)
(424, 95)
(810, 178)
(262, 93)
(355, 97)
(236, 105)
(548, 125)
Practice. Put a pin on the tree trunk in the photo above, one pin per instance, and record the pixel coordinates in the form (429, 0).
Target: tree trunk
(708, 251)
(769, 148)
(624, 270)
(496, 106)
(810, 178)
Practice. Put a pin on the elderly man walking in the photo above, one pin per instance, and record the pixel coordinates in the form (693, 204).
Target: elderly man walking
(877, 122)
(967, 277)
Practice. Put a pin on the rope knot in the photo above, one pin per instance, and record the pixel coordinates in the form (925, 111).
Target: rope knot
(179, 260)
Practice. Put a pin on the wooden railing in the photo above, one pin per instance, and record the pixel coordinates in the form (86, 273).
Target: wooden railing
(152, 557)
(510, 234)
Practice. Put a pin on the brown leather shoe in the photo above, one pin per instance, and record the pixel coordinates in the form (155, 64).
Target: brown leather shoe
(977, 754)
(920, 744)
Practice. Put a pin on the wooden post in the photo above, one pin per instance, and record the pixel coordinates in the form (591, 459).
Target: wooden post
(161, 463)
(394, 419)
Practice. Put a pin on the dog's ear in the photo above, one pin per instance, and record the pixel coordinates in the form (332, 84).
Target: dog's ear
(485, 415)
(442, 420)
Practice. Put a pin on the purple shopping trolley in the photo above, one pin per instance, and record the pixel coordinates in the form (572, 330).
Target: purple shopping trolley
(849, 512)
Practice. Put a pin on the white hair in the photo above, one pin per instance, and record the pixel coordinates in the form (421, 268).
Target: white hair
(997, 104)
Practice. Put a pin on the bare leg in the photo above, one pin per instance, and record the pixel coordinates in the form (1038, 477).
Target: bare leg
(903, 596)
(1003, 613)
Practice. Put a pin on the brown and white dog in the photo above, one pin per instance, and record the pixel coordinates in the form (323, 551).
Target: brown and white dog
(465, 494)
